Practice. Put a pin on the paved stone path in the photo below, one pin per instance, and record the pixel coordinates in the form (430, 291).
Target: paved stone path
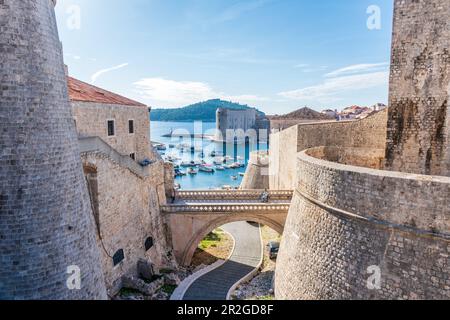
(246, 257)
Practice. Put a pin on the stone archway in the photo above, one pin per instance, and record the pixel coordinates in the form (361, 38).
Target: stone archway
(185, 248)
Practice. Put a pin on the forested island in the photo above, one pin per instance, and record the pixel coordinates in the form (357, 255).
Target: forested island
(202, 111)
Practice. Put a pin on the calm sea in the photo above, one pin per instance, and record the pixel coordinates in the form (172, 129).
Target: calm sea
(239, 153)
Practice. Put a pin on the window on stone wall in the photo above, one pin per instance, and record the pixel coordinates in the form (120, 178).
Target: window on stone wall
(130, 126)
(118, 257)
(133, 156)
(148, 243)
(111, 128)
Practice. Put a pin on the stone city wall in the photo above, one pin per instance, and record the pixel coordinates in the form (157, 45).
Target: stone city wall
(46, 223)
(128, 214)
(257, 173)
(91, 120)
(277, 125)
(169, 179)
(285, 145)
(360, 157)
(344, 220)
(419, 118)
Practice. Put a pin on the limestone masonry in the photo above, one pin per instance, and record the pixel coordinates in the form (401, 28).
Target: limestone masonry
(83, 190)
(257, 173)
(285, 145)
(354, 230)
(227, 119)
(419, 122)
(231, 124)
(45, 213)
(114, 136)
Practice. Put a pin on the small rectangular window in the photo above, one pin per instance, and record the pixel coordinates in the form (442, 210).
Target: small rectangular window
(148, 243)
(118, 257)
(111, 128)
(131, 126)
(133, 156)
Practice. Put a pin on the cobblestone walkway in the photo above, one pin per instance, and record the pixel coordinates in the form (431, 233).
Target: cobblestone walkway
(246, 257)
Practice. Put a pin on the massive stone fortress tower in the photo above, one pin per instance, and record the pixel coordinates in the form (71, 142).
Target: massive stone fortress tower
(231, 120)
(418, 135)
(46, 223)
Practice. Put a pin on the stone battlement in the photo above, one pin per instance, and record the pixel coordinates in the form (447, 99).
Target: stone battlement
(350, 219)
(347, 219)
(285, 145)
(371, 194)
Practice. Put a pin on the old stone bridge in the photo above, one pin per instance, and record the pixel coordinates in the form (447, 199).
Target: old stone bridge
(194, 214)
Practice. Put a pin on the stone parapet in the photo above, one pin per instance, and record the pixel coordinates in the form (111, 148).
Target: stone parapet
(96, 144)
(403, 199)
(285, 145)
(346, 221)
(208, 209)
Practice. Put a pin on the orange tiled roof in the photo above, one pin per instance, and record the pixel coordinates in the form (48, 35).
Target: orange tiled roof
(82, 91)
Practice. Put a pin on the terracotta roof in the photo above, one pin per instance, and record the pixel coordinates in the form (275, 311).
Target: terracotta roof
(82, 91)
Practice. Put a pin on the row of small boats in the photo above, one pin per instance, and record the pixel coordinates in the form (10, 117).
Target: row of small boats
(195, 169)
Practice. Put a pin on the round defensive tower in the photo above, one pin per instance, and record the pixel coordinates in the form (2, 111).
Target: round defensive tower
(257, 173)
(356, 231)
(46, 224)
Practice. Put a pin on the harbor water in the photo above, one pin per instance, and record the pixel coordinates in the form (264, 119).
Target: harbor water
(191, 142)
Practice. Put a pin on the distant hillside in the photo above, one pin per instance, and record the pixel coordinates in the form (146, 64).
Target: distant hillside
(202, 111)
(302, 114)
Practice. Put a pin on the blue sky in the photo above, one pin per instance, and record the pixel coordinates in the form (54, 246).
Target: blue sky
(277, 55)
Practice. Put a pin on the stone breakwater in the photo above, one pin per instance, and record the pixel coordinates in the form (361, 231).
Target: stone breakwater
(344, 220)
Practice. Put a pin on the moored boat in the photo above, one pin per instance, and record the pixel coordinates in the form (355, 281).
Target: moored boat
(188, 164)
(179, 173)
(205, 168)
(191, 171)
(161, 147)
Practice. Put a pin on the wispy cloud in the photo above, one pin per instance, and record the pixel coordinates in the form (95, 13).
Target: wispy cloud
(332, 88)
(306, 68)
(99, 73)
(357, 69)
(235, 11)
(342, 81)
(168, 93)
